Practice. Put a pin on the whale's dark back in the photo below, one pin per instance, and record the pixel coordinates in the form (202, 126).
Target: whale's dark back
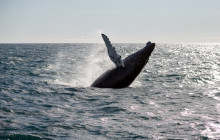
(123, 77)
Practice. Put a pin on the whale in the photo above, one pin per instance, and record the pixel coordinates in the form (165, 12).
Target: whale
(121, 77)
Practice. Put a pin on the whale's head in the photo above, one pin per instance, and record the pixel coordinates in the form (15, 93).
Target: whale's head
(141, 57)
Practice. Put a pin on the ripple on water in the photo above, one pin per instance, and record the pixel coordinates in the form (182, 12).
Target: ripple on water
(21, 137)
(43, 94)
(111, 109)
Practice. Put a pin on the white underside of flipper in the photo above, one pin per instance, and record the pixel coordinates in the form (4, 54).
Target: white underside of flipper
(112, 52)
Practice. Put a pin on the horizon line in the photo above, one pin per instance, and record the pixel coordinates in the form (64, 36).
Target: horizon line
(103, 43)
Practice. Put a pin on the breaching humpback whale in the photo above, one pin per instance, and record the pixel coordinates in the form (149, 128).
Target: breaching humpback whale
(125, 71)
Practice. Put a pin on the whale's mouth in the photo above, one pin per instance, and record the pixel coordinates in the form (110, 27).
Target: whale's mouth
(144, 54)
(141, 57)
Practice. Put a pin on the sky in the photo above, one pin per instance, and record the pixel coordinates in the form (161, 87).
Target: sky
(124, 21)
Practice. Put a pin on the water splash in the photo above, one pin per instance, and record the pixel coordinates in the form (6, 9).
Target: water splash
(79, 71)
(94, 65)
(100, 32)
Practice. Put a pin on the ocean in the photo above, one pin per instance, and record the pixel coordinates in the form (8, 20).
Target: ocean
(45, 93)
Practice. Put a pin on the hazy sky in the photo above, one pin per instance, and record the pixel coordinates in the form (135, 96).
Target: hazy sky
(161, 21)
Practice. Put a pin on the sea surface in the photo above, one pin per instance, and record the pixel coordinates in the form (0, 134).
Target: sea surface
(45, 93)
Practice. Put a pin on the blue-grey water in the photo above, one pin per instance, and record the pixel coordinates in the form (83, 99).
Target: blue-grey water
(45, 93)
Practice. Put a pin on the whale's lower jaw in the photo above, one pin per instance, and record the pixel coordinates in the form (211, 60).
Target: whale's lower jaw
(123, 77)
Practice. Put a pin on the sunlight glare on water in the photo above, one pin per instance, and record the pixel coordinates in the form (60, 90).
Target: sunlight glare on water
(45, 93)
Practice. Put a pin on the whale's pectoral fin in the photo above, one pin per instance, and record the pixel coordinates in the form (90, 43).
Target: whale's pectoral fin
(116, 59)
